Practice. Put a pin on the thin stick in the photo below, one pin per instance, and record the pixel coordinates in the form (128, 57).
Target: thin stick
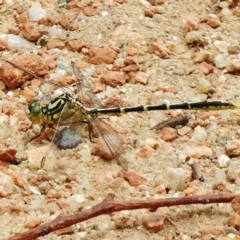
(109, 205)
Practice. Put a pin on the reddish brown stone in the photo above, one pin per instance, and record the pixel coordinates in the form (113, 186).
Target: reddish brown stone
(145, 152)
(53, 17)
(153, 47)
(74, 4)
(213, 22)
(236, 205)
(68, 22)
(156, 2)
(233, 3)
(148, 12)
(120, 1)
(234, 221)
(7, 155)
(16, 177)
(131, 68)
(169, 134)
(138, 77)
(101, 55)
(134, 179)
(132, 51)
(114, 78)
(55, 43)
(161, 51)
(18, 8)
(31, 32)
(13, 77)
(22, 18)
(205, 68)
(129, 61)
(154, 222)
(90, 11)
(233, 148)
(192, 22)
(32, 223)
(75, 45)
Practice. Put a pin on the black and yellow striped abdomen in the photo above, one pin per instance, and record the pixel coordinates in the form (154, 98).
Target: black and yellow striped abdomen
(214, 105)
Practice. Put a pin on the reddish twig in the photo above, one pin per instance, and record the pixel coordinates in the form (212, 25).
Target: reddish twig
(109, 205)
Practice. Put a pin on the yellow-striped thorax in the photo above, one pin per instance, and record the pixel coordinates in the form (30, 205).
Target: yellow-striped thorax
(51, 111)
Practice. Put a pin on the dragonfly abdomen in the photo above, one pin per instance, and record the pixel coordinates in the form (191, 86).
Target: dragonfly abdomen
(214, 105)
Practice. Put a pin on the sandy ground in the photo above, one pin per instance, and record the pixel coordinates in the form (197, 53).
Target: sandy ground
(133, 53)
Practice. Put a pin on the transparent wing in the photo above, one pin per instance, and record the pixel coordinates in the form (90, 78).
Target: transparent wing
(87, 97)
(112, 140)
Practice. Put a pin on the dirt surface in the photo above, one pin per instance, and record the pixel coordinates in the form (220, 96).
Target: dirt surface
(133, 53)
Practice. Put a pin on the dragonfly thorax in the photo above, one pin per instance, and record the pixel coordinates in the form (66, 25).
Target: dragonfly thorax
(51, 111)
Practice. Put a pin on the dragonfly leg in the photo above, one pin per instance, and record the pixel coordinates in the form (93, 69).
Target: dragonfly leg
(90, 128)
(42, 131)
(38, 135)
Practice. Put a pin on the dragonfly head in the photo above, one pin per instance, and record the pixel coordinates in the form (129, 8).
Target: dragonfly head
(34, 111)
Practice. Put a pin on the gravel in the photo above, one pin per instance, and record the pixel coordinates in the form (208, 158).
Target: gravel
(133, 53)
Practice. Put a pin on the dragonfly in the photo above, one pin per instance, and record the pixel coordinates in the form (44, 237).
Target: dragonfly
(87, 107)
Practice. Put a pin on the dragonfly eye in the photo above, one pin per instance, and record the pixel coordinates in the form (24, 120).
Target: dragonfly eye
(34, 110)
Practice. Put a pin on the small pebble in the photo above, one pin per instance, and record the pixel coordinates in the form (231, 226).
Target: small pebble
(36, 12)
(101, 55)
(194, 37)
(204, 86)
(199, 133)
(175, 178)
(35, 157)
(134, 179)
(154, 222)
(233, 148)
(236, 205)
(220, 61)
(7, 155)
(223, 161)
(169, 134)
(152, 143)
(125, 220)
(199, 151)
(114, 78)
(6, 185)
(233, 65)
(213, 21)
(234, 221)
(184, 130)
(205, 68)
(219, 180)
(145, 151)
(193, 22)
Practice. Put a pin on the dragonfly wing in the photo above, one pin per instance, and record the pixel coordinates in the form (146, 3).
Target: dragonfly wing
(112, 140)
(88, 98)
(108, 134)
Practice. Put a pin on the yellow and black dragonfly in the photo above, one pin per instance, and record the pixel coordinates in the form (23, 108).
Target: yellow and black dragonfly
(87, 108)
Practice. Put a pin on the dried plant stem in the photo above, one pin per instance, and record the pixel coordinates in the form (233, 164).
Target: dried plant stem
(109, 205)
